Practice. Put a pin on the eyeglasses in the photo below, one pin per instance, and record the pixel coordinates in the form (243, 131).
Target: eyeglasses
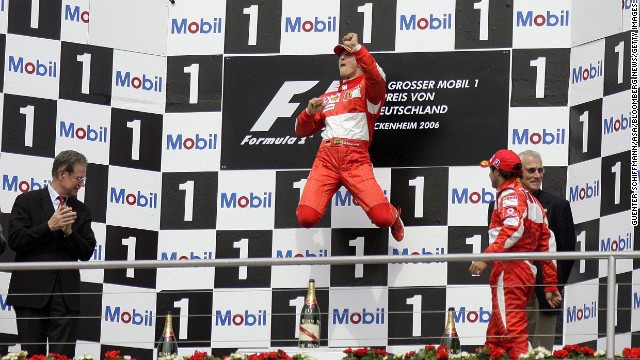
(534, 170)
(80, 179)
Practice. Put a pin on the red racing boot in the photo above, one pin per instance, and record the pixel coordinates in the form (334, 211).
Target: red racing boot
(397, 228)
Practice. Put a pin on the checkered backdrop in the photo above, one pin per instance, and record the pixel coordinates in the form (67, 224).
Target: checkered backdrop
(175, 173)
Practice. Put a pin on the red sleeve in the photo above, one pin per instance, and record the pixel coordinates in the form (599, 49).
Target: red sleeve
(509, 208)
(374, 77)
(307, 125)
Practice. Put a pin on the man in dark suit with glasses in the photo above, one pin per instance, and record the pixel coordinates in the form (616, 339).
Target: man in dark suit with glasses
(50, 224)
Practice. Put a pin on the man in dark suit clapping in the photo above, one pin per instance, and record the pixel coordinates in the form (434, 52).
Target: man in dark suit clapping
(50, 224)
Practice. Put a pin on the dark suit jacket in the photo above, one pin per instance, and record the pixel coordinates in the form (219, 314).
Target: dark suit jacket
(561, 223)
(3, 242)
(32, 240)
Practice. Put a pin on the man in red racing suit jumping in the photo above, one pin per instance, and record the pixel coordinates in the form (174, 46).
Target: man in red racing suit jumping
(518, 224)
(347, 116)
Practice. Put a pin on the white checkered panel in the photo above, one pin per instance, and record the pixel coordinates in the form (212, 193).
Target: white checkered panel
(175, 173)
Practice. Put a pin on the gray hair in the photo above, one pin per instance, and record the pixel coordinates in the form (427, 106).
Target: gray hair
(67, 160)
(530, 153)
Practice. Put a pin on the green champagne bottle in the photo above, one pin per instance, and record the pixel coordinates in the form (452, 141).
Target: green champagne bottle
(450, 336)
(309, 336)
(167, 345)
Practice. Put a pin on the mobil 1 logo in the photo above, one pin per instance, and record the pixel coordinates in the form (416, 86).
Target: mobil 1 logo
(256, 27)
(412, 313)
(289, 188)
(617, 63)
(359, 242)
(484, 24)
(421, 193)
(191, 315)
(194, 83)
(85, 73)
(585, 131)
(136, 139)
(466, 240)
(243, 244)
(189, 200)
(36, 18)
(376, 19)
(29, 126)
(588, 239)
(539, 77)
(128, 244)
(624, 307)
(616, 183)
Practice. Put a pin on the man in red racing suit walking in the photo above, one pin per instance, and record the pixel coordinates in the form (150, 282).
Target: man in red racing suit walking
(347, 117)
(518, 224)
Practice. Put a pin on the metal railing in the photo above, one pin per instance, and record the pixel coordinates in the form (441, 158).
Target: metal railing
(610, 256)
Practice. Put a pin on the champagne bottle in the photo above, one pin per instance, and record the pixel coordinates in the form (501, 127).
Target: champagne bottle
(450, 336)
(167, 344)
(309, 336)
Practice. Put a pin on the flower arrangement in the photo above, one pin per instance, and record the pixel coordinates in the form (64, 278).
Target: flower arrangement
(487, 353)
(429, 352)
(114, 355)
(574, 352)
(198, 355)
(84, 357)
(537, 353)
(23, 355)
(365, 354)
(272, 355)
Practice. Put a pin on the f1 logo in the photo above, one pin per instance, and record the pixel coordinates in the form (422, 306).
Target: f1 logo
(280, 105)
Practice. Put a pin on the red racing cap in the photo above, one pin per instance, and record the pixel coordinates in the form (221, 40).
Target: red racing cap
(338, 49)
(505, 160)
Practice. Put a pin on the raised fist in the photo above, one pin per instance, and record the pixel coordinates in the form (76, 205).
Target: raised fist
(315, 105)
(350, 40)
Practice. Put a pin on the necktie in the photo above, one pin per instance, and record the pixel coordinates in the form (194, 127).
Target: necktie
(62, 201)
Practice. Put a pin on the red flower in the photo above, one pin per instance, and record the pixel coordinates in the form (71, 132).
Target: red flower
(570, 348)
(283, 355)
(587, 351)
(112, 355)
(429, 347)
(631, 353)
(382, 352)
(496, 353)
(362, 352)
(560, 354)
(37, 357)
(348, 351)
(409, 354)
(58, 356)
(198, 355)
(253, 357)
(442, 353)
